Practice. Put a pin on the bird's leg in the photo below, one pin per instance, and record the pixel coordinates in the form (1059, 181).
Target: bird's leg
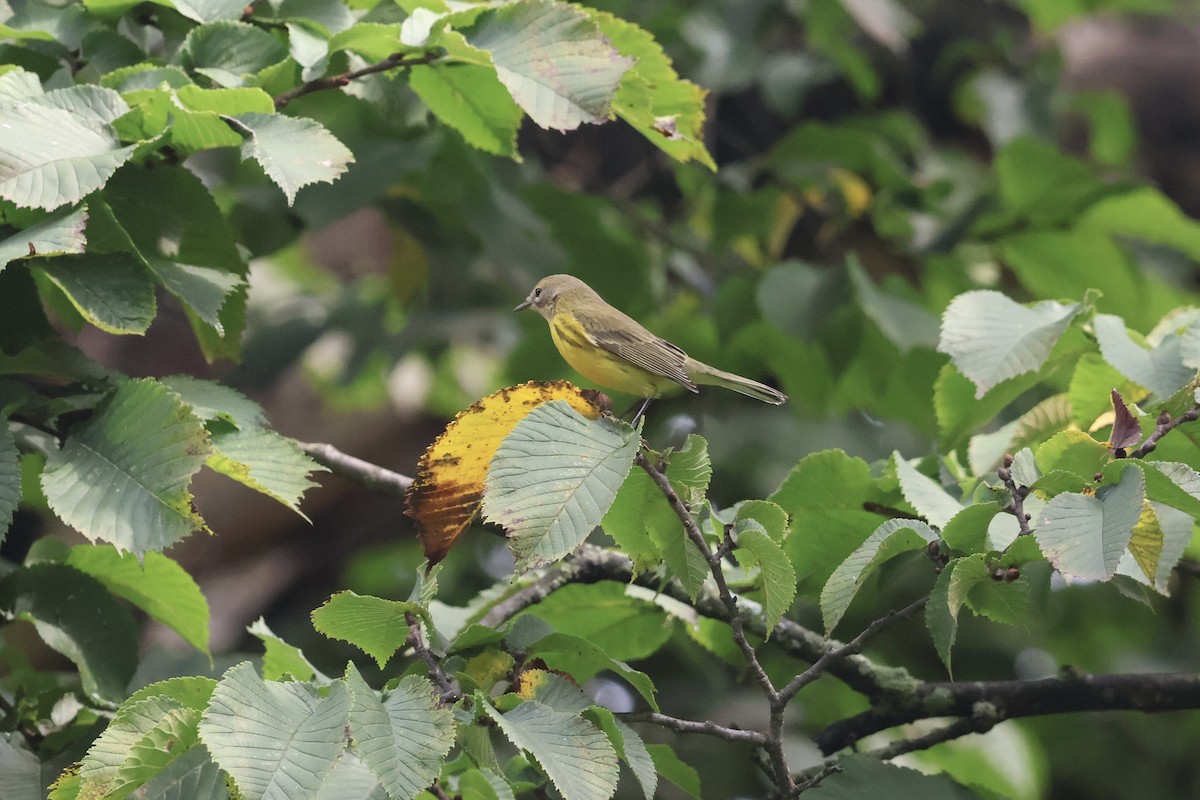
(641, 409)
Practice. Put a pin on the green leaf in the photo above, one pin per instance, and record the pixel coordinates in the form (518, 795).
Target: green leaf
(112, 291)
(122, 477)
(156, 584)
(265, 461)
(76, 616)
(404, 737)
(1181, 489)
(10, 478)
(210, 10)
(553, 478)
(582, 659)
(184, 238)
(143, 739)
(778, 576)
(50, 157)
(1092, 381)
(629, 746)
(574, 753)
(1146, 214)
(991, 338)
(373, 625)
(229, 52)
(211, 401)
(968, 530)
(1159, 369)
(624, 626)
(554, 61)
(824, 496)
(20, 771)
(1072, 451)
(1054, 263)
(689, 469)
(1084, 536)
(638, 508)
(281, 660)
(770, 516)
(924, 494)
(293, 152)
(471, 100)
(57, 234)
(904, 323)
(191, 776)
(1041, 183)
(862, 776)
(892, 538)
(664, 108)
(276, 740)
(670, 767)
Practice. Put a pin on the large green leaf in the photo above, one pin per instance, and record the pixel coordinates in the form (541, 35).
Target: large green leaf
(575, 754)
(862, 777)
(991, 338)
(10, 478)
(373, 625)
(184, 238)
(664, 108)
(670, 767)
(402, 738)
(156, 584)
(948, 597)
(112, 291)
(228, 52)
(553, 478)
(214, 401)
(582, 659)
(50, 157)
(75, 615)
(630, 748)
(293, 152)
(20, 771)
(277, 740)
(1160, 369)
(123, 476)
(625, 626)
(824, 496)
(1083, 535)
(58, 234)
(892, 538)
(1038, 181)
(554, 61)
(471, 100)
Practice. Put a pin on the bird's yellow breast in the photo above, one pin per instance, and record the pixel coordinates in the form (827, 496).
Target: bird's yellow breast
(600, 365)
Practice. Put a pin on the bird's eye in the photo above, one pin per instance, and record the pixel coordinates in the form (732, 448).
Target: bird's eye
(537, 292)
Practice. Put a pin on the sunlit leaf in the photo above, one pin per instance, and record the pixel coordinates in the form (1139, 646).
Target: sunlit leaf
(293, 152)
(1084, 535)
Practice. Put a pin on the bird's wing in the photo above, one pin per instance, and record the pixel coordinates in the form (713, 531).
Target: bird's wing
(639, 347)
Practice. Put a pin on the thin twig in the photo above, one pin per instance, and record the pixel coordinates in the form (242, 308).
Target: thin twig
(394, 61)
(955, 730)
(1164, 425)
(814, 779)
(851, 647)
(1018, 493)
(369, 475)
(447, 693)
(773, 743)
(707, 727)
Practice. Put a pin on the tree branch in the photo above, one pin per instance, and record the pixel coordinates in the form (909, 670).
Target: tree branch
(369, 475)
(1164, 425)
(981, 722)
(708, 727)
(394, 61)
(447, 692)
(1150, 692)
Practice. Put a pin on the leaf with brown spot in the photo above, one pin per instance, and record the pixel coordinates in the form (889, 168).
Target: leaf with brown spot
(448, 488)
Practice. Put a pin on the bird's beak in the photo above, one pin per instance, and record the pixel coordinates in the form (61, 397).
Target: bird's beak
(526, 303)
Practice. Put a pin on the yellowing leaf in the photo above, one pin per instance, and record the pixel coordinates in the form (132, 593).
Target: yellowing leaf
(448, 488)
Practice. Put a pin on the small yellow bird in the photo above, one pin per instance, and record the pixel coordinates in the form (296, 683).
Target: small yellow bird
(612, 349)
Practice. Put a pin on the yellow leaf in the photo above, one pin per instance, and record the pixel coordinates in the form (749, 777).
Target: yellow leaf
(1147, 542)
(448, 488)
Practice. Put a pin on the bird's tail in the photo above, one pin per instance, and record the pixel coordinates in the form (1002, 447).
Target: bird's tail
(702, 373)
